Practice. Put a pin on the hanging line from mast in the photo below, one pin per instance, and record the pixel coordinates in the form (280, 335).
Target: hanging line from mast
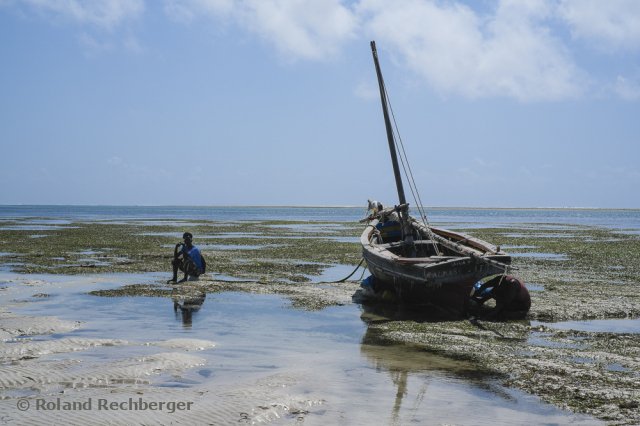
(404, 160)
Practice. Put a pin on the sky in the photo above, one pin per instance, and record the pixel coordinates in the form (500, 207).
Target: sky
(499, 103)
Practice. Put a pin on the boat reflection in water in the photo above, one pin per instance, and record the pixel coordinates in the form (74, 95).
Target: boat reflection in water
(425, 383)
(186, 302)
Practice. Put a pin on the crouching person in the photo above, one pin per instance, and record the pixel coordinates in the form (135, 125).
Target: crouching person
(188, 259)
(510, 294)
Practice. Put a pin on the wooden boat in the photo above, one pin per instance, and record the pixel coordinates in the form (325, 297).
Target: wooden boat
(417, 262)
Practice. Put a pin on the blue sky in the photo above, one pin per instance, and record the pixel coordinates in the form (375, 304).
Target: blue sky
(274, 102)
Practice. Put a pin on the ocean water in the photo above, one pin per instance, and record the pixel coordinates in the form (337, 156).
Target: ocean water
(628, 219)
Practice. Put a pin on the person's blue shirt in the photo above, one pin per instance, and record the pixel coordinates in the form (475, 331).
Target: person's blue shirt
(194, 254)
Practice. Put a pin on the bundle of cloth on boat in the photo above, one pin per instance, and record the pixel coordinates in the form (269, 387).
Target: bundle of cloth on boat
(389, 227)
(390, 231)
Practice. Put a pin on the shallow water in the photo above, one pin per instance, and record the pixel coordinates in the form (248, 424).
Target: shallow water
(534, 287)
(541, 255)
(309, 227)
(243, 235)
(540, 339)
(35, 227)
(550, 235)
(613, 219)
(329, 356)
(597, 326)
(224, 277)
(236, 246)
(334, 273)
(629, 232)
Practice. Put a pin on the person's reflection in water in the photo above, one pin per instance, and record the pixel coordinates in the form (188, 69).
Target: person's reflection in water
(186, 304)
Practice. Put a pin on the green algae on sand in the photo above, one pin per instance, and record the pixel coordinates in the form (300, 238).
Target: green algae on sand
(595, 275)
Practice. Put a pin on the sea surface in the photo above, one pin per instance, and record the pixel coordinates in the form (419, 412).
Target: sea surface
(622, 219)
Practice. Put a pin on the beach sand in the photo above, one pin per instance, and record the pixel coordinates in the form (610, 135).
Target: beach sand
(55, 370)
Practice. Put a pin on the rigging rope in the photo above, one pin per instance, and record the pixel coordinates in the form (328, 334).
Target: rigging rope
(404, 160)
(322, 282)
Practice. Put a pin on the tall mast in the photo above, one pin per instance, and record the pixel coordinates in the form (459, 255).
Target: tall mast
(387, 123)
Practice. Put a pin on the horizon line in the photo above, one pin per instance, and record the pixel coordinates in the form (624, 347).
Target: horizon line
(315, 206)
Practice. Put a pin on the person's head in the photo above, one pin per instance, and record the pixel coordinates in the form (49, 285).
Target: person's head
(187, 237)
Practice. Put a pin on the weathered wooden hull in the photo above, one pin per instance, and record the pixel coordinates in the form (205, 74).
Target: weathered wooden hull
(441, 281)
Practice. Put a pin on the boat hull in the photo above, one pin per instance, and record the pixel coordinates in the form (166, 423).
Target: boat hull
(447, 287)
(444, 283)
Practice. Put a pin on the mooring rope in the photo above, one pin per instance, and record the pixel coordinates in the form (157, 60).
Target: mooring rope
(213, 279)
(348, 276)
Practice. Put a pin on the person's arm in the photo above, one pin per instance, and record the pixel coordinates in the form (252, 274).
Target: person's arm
(176, 252)
(204, 264)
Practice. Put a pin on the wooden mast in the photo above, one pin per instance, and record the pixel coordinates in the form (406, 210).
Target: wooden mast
(387, 123)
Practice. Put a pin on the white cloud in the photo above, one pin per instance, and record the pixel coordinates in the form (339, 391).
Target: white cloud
(103, 13)
(188, 10)
(93, 46)
(367, 91)
(510, 53)
(611, 24)
(309, 29)
(627, 89)
(116, 161)
(511, 48)
(133, 45)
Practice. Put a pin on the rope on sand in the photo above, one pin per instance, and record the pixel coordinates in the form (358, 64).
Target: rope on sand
(348, 276)
(264, 282)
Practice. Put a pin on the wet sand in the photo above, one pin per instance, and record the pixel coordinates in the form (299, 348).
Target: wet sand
(237, 358)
